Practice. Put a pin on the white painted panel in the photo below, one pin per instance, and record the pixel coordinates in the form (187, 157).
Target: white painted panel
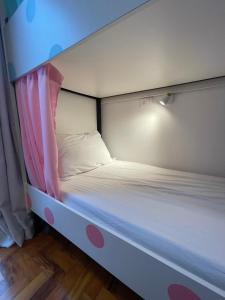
(144, 271)
(40, 29)
(164, 42)
(75, 114)
(187, 135)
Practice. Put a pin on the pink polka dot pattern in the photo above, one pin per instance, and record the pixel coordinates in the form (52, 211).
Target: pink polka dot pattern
(180, 292)
(95, 236)
(49, 216)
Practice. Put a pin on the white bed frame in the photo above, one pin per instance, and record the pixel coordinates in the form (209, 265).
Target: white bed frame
(148, 274)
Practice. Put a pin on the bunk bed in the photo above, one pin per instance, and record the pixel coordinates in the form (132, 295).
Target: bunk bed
(134, 220)
(161, 249)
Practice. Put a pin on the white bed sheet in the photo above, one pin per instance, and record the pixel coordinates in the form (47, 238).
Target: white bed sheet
(178, 215)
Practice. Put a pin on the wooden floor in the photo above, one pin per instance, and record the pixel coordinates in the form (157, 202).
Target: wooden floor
(50, 267)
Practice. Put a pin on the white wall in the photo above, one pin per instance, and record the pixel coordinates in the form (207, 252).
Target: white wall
(187, 135)
(75, 114)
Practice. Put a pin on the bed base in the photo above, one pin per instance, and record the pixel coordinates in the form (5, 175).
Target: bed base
(149, 275)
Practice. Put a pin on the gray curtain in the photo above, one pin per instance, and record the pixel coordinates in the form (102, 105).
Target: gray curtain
(15, 221)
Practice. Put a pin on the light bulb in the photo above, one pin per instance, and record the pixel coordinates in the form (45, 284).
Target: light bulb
(162, 103)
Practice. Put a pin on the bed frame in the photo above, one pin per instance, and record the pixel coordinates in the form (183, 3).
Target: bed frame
(148, 274)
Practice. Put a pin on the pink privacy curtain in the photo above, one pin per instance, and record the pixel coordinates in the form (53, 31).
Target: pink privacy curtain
(37, 95)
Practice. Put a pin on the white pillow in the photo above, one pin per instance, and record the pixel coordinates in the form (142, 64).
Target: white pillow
(80, 153)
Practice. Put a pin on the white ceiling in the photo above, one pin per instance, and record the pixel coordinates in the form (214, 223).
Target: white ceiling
(165, 42)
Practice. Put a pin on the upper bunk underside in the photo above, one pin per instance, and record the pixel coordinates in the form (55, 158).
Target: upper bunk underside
(160, 43)
(165, 42)
(40, 30)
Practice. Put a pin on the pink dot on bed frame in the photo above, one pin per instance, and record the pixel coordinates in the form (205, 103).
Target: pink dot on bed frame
(95, 236)
(49, 216)
(180, 292)
(28, 202)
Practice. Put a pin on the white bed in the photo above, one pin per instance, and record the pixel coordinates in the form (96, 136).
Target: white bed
(160, 232)
(178, 215)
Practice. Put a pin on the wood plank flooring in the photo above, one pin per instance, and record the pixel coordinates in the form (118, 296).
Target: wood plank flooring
(50, 267)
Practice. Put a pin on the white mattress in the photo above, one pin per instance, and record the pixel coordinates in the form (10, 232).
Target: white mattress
(178, 215)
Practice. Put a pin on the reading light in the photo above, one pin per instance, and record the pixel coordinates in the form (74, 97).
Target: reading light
(163, 99)
(162, 102)
(166, 99)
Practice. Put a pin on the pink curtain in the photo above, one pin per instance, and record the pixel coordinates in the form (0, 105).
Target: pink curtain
(37, 95)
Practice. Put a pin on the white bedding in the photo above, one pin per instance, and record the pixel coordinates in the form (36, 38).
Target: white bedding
(178, 215)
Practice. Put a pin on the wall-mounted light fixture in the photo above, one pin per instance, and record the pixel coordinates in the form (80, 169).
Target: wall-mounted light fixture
(166, 99)
(163, 99)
